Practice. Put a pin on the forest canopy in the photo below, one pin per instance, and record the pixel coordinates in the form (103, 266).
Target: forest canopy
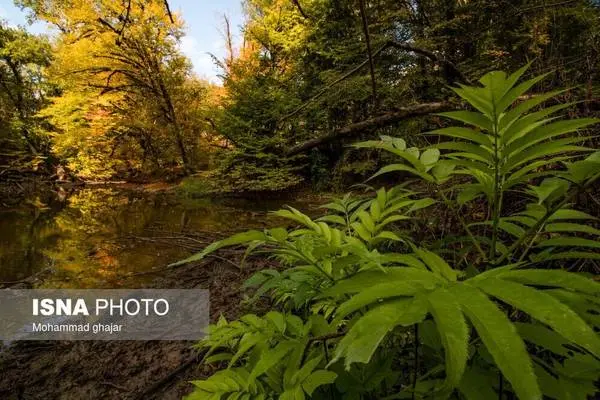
(109, 94)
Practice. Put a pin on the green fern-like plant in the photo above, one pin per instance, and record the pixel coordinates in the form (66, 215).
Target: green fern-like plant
(361, 298)
(405, 295)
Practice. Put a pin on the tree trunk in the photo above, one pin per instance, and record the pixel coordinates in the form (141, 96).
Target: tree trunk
(365, 23)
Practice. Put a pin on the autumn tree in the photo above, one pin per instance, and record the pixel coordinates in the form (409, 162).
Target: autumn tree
(122, 59)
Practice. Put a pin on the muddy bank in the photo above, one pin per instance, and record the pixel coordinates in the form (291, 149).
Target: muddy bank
(127, 369)
(123, 236)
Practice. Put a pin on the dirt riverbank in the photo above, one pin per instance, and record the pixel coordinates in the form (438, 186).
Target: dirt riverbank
(126, 369)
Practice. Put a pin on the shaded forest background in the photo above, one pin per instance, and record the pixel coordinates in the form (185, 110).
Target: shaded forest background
(109, 95)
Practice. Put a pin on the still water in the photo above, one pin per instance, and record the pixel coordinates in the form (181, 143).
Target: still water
(95, 236)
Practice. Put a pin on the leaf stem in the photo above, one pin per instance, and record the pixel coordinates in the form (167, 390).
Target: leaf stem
(497, 190)
(530, 244)
(323, 339)
(500, 385)
(416, 365)
(465, 226)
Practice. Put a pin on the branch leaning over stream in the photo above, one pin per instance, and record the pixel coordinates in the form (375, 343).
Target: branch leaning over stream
(371, 123)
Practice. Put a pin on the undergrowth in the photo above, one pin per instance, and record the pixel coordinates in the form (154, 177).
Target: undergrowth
(496, 309)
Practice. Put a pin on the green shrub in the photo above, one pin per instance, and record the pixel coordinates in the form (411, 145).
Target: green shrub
(252, 170)
(365, 312)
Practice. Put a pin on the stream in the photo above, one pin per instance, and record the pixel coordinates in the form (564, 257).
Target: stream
(92, 237)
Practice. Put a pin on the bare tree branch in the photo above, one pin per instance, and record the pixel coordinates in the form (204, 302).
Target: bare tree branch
(299, 7)
(108, 25)
(228, 41)
(390, 44)
(169, 11)
(125, 21)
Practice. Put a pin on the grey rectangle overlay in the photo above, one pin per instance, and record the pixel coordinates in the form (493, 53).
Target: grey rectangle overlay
(103, 314)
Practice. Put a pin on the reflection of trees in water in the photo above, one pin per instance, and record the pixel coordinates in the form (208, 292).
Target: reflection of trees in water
(76, 239)
(22, 233)
(88, 252)
(86, 241)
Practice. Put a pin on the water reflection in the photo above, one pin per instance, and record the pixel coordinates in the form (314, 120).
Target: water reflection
(94, 236)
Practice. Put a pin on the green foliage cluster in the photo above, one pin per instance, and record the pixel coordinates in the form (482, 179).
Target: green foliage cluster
(303, 71)
(363, 311)
(235, 172)
(239, 171)
(23, 91)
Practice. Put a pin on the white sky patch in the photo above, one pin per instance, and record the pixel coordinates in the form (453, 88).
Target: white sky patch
(189, 46)
(203, 63)
(206, 68)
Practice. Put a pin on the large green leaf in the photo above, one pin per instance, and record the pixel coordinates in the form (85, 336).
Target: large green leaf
(474, 98)
(547, 149)
(366, 334)
(271, 357)
(362, 280)
(293, 214)
(500, 338)
(509, 119)
(239, 238)
(549, 131)
(437, 264)
(545, 308)
(469, 117)
(430, 157)
(523, 124)
(563, 388)
(585, 306)
(318, 378)
(554, 278)
(569, 242)
(514, 92)
(453, 332)
(541, 336)
(474, 151)
(402, 167)
(570, 214)
(464, 133)
(376, 293)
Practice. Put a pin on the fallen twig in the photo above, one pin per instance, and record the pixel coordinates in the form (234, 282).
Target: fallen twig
(162, 382)
(124, 389)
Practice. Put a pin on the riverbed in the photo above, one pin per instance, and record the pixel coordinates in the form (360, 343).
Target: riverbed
(121, 237)
(94, 237)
